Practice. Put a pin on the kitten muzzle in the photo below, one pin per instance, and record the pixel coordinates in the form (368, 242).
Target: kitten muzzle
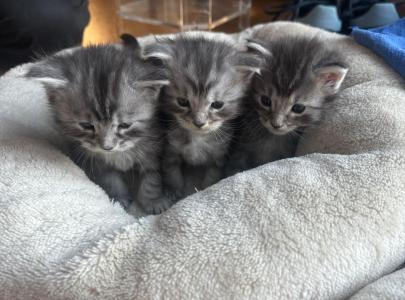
(198, 123)
(107, 147)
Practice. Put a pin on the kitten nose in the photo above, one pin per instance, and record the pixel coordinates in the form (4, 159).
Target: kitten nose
(199, 124)
(107, 147)
(276, 125)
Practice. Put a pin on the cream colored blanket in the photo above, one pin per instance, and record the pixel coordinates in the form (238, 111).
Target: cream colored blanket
(326, 225)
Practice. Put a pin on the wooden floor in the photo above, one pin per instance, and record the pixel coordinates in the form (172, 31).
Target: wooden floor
(105, 25)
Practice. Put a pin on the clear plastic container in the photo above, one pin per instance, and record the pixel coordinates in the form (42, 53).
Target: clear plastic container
(182, 15)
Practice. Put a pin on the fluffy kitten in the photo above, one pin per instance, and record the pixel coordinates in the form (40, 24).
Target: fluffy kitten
(208, 77)
(104, 100)
(298, 77)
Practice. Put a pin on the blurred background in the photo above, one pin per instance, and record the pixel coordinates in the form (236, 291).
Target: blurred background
(161, 16)
(235, 15)
(33, 28)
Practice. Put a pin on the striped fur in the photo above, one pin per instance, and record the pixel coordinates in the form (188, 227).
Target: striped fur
(297, 71)
(104, 101)
(202, 70)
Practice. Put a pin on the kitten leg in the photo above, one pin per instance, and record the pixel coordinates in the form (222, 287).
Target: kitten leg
(110, 180)
(173, 175)
(237, 163)
(115, 186)
(193, 175)
(150, 194)
(213, 174)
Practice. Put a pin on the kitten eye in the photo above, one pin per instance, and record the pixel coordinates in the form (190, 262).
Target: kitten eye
(265, 100)
(298, 108)
(217, 104)
(183, 102)
(124, 125)
(87, 126)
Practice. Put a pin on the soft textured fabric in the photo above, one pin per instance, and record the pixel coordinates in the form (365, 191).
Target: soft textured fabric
(390, 287)
(387, 42)
(325, 225)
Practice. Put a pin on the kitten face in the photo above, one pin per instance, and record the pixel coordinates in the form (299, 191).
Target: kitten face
(204, 109)
(102, 97)
(106, 129)
(282, 113)
(208, 78)
(299, 75)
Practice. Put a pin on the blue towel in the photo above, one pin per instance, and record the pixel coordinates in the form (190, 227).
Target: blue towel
(387, 42)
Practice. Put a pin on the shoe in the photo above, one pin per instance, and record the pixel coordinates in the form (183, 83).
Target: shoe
(378, 15)
(318, 13)
(323, 16)
(367, 13)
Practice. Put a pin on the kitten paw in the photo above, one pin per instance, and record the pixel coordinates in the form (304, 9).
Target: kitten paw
(124, 201)
(173, 196)
(158, 206)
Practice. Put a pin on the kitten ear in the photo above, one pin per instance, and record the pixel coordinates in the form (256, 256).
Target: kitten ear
(130, 41)
(50, 82)
(47, 75)
(246, 62)
(255, 47)
(152, 83)
(151, 87)
(252, 59)
(331, 78)
(158, 51)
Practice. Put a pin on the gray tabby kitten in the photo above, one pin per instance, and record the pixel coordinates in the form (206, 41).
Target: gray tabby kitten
(104, 100)
(299, 76)
(208, 78)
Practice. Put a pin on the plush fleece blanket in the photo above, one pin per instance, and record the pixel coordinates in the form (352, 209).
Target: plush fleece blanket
(329, 224)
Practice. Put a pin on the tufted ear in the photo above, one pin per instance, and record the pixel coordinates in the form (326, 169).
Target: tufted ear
(47, 74)
(251, 59)
(161, 51)
(51, 82)
(150, 86)
(256, 47)
(330, 78)
(152, 83)
(246, 62)
(130, 41)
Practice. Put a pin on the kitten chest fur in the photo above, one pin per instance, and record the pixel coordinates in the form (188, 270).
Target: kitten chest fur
(198, 149)
(269, 148)
(141, 157)
(120, 161)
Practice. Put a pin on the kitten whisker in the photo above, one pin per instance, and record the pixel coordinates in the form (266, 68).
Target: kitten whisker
(92, 159)
(315, 107)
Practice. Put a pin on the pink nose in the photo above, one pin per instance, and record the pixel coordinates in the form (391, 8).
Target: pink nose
(199, 124)
(107, 147)
(276, 125)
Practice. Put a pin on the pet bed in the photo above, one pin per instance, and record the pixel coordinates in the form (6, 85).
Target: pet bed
(329, 224)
